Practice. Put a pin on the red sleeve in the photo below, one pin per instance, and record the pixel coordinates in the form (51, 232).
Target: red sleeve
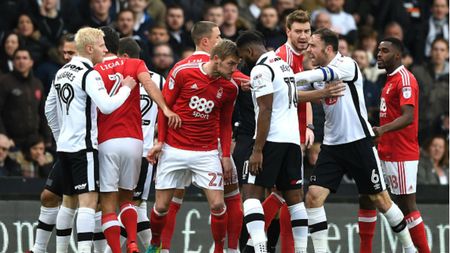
(226, 127)
(407, 90)
(170, 93)
(141, 67)
(239, 77)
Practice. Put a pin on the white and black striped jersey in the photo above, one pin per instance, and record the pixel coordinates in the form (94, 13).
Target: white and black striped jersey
(149, 110)
(346, 116)
(272, 75)
(71, 106)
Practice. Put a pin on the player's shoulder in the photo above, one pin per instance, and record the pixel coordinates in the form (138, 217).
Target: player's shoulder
(184, 69)
(404, 77)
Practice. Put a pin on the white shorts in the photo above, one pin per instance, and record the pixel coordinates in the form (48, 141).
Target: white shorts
(120, 164)
(401, 176)
(177, 168)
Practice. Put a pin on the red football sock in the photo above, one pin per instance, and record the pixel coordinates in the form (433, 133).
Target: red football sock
(417, 231)
(219, 220)
(128, 216)
(367, 221)
(235, 218)
(111, 230)
(169, 228)
(287, 239)
(157, 223)
(271, 205)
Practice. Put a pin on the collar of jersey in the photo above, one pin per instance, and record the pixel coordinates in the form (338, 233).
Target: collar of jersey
(396, 70)
(292, 49)
(337, 56)
(264, 55)
(82, 59)
(199, 52)
(109, 58)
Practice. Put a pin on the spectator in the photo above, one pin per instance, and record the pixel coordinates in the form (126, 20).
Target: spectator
(254, 10)
(344, 47)
(50, 22)
(179, 37)
(433, 163)
(214, 13)
(372, 92)
(437, 25)
(163, 59)
(22, 102)
(232, 25)
(433, 77)
(268, 26)
(342, 22)
(34, 161)
(441, 126)
(322, 20)
(368, 42)
(158, 35)
(8, 167)
(284, 5)
(186, 53)
(32, 38)
(157, 10)
(10, 43)
(99, 13)
(142, 20)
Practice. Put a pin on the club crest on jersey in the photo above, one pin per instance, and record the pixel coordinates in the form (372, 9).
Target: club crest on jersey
(219, 93)
(171, 83)
(406, 92)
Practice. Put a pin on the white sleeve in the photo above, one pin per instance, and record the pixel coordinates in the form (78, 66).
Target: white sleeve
(261, 80)
(341, 69)
(51, 112)
(95, 88)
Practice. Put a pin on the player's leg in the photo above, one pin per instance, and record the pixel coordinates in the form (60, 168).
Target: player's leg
(369, 179)
(51, 197)
(293, 217)
(85, 175)
(169, 228)
(402, 179)
(233, 203)
(99, 240)
(219, 218)
(367, 221)
(254, 215)
(64, 222)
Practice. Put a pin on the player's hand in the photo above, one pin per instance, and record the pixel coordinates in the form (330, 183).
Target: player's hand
(154, 152)
(245, 84)
(173, 120)
(255, 162)
(309, 138)
(129, 82)
(378, 131)
(334, 89)
(227, 167)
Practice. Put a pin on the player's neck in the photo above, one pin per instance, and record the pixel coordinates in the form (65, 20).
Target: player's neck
(208, 68)
(390, 70)
(86, 56)
(296, 50)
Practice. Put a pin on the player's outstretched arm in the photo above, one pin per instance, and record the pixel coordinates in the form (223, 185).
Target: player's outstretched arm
(95, 88)
(330, 90)
(173, 119)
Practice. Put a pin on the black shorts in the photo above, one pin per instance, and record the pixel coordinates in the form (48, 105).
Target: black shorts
(142, 190)
(55, 181)
(80, 171)
(358, 158)
(241, 152)
(282, 167)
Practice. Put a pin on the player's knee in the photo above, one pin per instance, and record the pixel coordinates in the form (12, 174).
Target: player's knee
(217, 206)
(49, 199)
(315, 197)
(161, 207)
(381, 200)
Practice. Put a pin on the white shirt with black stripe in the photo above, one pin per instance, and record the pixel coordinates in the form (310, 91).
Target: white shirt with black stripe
(76, 93)
(346, 116)
(272, 75)
(149, 110)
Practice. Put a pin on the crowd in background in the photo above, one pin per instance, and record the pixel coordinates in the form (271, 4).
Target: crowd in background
(161, 28)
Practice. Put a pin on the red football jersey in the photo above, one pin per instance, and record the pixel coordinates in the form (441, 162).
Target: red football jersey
(295, 61)
(401, 88)
(126, 120)
(205, 106)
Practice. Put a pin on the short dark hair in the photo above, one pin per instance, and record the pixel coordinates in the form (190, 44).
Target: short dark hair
(233, 2)
(396, 43)
(299, 16)
(202, 29)
(439, 39)
(129, 46)
(68, 37)
(22, 49)
(125, 10)
(111, 39)
(329, 37)
(250, 38)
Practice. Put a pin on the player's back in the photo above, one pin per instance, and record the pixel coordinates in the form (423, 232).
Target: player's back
(126, 120)
(284, 107)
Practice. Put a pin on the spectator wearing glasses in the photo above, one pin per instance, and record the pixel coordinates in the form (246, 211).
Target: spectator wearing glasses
(163, 59)
(8, 167)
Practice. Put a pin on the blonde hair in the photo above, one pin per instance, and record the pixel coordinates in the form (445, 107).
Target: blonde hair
(224, 49)
(87, 36)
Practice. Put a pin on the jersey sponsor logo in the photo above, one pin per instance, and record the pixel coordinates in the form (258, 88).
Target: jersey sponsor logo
(219, 93)
(171, 83)
(201, 106)
(73, 68)
(406, 92)
(383, 107)
(331, 101)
